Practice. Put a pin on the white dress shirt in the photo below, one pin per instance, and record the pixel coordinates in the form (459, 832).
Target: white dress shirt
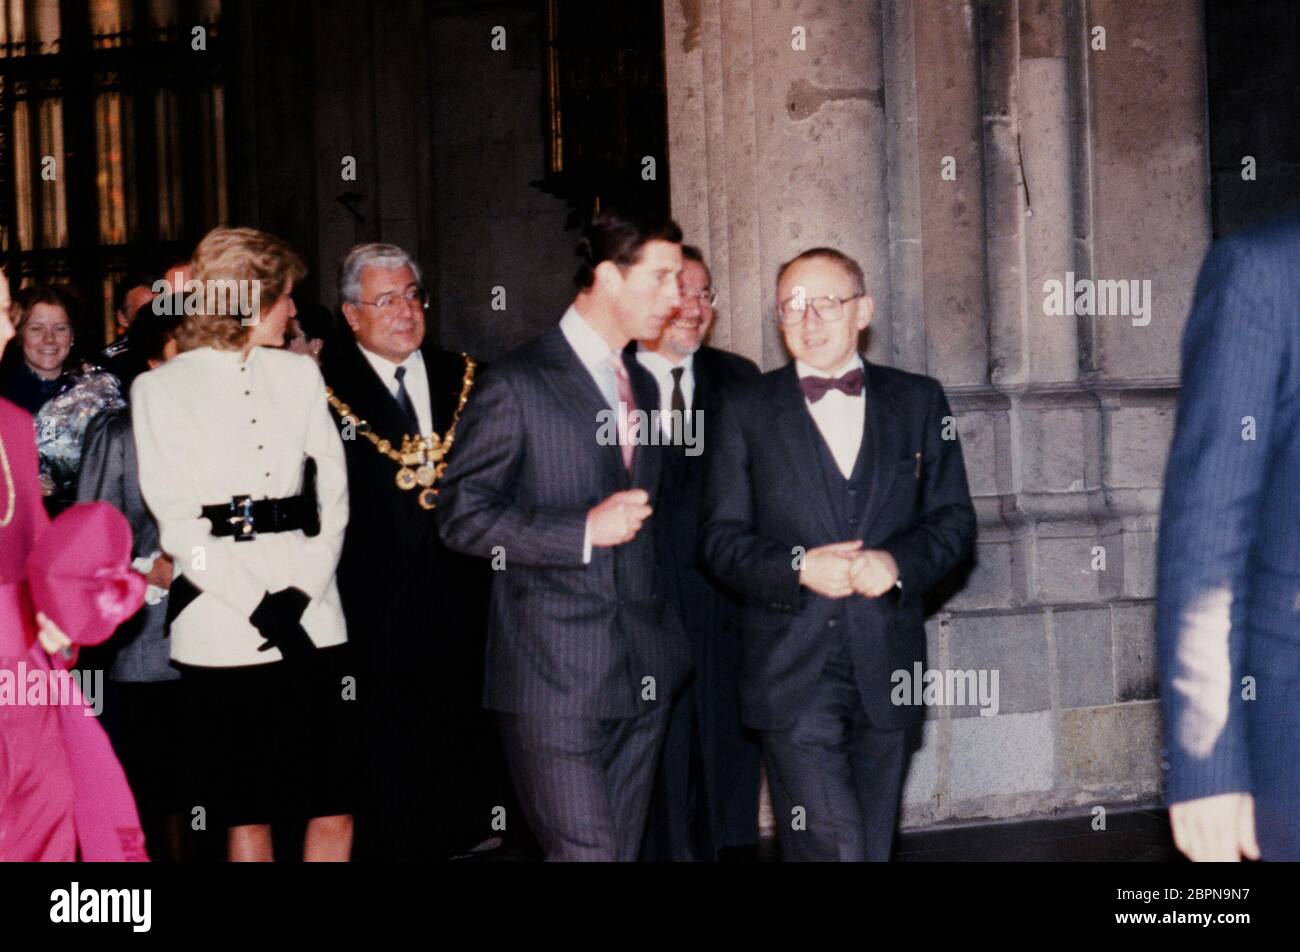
(210, 424)
(662, 368)
(592, 351)
(838, 416)
(416, 380)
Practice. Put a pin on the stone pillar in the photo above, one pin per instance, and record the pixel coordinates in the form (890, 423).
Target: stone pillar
(1076, 129)
(777, 138)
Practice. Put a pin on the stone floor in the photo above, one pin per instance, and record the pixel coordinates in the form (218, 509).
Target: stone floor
(1140, 836)
(1136, 836)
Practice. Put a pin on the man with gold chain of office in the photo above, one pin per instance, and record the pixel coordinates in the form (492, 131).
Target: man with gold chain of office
(415, 610)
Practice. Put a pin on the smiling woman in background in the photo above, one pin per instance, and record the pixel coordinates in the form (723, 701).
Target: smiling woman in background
(40, 370)
(45, 376)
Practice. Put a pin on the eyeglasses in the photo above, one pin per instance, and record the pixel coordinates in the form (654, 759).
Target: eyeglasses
(829, 308)
(706, 298)
(395, 299)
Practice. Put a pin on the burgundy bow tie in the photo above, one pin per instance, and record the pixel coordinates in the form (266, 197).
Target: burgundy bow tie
(814, 388)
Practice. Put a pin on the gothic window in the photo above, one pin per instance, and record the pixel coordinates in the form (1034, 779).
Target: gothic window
(112, 139)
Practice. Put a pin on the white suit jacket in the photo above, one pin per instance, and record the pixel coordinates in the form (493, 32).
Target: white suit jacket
(209, 425)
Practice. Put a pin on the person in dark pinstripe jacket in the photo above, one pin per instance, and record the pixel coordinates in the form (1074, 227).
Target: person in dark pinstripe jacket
(585, 647)
(1228, 606)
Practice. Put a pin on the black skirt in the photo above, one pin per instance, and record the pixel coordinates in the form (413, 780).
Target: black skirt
(145, 722)
(272, 742)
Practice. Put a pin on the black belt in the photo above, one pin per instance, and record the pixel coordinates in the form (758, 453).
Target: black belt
(244, 517)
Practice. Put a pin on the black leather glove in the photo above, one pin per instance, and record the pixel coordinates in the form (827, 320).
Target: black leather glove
(179, 597)
(278, 618)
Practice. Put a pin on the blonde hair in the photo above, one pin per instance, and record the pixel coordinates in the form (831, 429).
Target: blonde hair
(236, 254)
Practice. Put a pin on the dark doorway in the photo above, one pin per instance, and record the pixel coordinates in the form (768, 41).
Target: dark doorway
(477, 134)
(1253, 73)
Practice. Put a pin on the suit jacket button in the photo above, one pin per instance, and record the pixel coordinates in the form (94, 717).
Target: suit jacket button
(832, 623)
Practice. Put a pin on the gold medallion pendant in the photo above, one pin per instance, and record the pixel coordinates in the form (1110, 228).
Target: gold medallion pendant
(421, 460)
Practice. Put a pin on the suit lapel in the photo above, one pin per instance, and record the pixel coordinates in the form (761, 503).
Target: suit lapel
(702, 371)
(574, 387)
(702, 401)
(444, 391)
(361, 389)
(797, 433)
(882, 437)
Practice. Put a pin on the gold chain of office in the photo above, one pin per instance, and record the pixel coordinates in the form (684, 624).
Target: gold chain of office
(422, 459)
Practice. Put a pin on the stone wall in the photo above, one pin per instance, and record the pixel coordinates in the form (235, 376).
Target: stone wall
(1067, 158)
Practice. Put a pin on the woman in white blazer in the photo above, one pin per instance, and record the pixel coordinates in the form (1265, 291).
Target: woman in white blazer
(227, 434)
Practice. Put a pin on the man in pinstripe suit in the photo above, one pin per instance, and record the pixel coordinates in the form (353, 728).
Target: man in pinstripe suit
(585, 648)
(1228, 610)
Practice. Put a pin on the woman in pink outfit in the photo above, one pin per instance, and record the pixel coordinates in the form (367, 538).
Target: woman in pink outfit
(62, 792)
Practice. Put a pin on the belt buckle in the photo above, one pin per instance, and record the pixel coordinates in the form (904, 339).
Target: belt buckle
(241, 518)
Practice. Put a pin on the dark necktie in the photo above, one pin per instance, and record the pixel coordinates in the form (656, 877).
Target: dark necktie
(814, 388)
(404, 401)
(678, 407)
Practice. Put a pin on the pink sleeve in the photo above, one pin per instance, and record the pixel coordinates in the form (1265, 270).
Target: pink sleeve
(79, 573)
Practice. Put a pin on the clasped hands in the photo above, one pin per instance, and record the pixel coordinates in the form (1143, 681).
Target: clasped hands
(845, 568)
(836, 571)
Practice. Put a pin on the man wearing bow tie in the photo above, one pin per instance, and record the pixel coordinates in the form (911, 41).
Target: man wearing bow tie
(836, 498)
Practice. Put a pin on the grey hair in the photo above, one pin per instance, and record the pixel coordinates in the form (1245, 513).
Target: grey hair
(372, 255)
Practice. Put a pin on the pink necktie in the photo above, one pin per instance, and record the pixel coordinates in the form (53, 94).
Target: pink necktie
(626, 405)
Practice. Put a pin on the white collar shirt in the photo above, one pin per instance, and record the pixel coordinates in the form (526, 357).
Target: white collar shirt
(838, 416)
(416, 380)
(662, 369)
(592, 351)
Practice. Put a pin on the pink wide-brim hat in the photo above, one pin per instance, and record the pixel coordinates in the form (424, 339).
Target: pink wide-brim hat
(80, 574)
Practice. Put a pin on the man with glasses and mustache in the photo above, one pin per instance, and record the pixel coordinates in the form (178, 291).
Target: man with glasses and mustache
(836, 498)
(415, 610)
(706, 792)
